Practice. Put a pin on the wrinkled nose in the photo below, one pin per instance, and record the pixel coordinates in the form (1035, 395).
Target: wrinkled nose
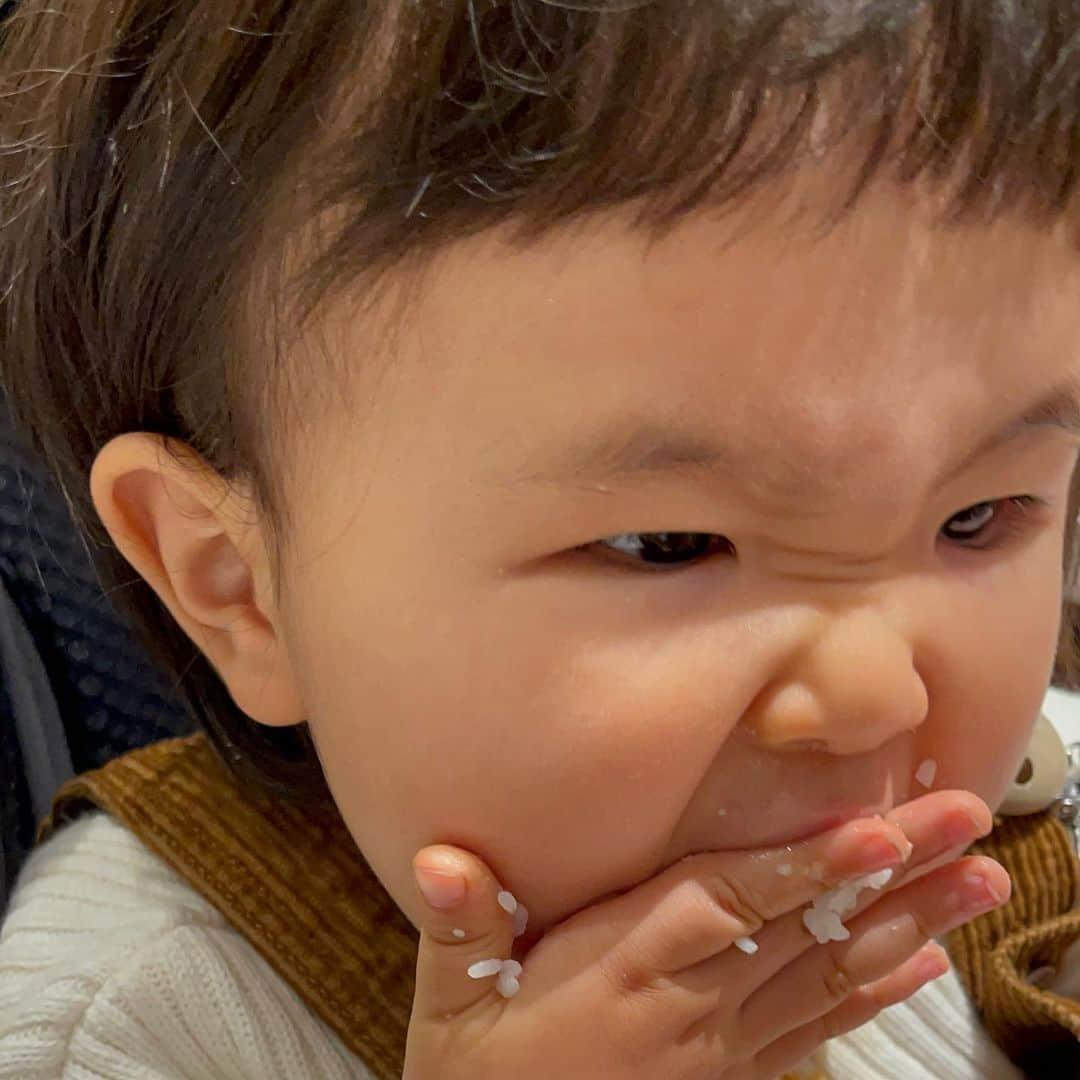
(852, 689)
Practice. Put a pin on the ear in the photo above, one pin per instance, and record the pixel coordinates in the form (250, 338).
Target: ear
(196, 540)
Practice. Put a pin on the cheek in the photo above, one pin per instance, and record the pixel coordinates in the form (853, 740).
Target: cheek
(1006, 646)
(564, 765)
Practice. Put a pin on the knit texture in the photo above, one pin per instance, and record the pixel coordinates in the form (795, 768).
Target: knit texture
(113, 968)
(996, 953)
(935, 1034)
(290, 879)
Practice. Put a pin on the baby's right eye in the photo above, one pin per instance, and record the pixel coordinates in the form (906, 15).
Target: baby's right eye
(651, 551)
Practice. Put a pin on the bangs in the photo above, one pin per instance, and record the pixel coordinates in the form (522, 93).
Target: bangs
(546, 110)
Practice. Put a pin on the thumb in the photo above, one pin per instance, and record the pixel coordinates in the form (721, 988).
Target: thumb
(469, 926)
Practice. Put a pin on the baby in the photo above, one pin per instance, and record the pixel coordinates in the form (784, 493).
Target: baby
(612, 448)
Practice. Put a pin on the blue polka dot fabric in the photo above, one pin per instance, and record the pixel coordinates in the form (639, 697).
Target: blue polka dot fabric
(109, 696)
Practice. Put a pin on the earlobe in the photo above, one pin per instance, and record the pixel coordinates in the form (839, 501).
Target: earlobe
(196, 541)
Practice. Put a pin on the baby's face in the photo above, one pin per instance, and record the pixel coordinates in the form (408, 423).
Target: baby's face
(629, 556)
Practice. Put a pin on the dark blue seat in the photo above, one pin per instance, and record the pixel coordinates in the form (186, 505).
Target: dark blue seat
(76, 687)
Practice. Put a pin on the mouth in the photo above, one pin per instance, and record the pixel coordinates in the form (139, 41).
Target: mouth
(817, 825)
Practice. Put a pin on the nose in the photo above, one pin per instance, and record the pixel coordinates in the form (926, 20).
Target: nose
(853, 688)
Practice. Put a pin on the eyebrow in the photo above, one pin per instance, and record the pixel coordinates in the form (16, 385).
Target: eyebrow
(629, 450)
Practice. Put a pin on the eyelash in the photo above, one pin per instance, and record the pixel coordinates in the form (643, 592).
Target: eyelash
(1013, 525)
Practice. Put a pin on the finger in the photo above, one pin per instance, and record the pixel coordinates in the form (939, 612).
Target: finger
(929, 963)
(882, 938)
(702, 904)
(940, 826)
(937, 838)
(465, 925)
(755, 888)
(778, 880)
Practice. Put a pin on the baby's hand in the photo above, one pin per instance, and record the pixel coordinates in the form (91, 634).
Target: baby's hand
(663, 982)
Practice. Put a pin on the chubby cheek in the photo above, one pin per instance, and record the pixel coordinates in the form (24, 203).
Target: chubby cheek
(984, 726)
(566, 774)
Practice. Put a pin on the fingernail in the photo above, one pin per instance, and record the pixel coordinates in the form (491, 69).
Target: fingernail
(877, 853)
(442, 891)
(977, 894)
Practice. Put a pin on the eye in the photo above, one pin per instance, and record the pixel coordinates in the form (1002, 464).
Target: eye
(981, 527)
(663, 548)
(992, 523)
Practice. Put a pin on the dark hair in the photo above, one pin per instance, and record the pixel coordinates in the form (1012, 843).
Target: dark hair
(158, 156)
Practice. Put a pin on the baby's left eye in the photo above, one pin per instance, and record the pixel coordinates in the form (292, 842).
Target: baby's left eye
(1000, 519)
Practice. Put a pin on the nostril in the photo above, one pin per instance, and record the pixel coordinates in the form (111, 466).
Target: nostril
(1026, 772)
(810, 745)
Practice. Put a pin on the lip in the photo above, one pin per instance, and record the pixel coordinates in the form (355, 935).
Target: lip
(822, 824)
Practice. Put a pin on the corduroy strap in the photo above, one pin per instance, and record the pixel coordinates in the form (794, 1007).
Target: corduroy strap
(995, 953)
(289, 879)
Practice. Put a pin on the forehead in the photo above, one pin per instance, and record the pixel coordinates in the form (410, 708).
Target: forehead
(776, 298)
(814, 352)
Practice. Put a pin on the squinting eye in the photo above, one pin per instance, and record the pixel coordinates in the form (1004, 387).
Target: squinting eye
(974, 523)
(665, 548)
(991, 524)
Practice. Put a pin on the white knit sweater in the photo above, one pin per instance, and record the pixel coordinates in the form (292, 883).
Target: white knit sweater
(113, 967)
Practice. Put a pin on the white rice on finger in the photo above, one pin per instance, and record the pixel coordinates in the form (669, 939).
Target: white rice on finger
(824, 918)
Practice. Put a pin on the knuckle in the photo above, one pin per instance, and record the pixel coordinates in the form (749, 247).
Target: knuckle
(828, 1027)
(627, 1023)
(921, 924)
(835, 980)
(484, 944)
(700, 919)
(736, 898)
(628, 981)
